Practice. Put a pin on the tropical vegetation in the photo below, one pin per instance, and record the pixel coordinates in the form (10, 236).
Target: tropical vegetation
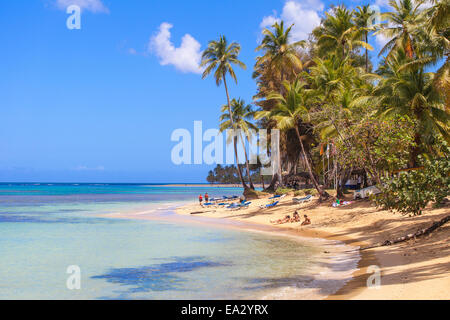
(341, 115)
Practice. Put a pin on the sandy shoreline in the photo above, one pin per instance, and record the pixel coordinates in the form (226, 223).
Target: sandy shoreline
(417, 269)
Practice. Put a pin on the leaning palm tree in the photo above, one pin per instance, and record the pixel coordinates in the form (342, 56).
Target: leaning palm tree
(292, 109)
(243, 114)
(219, 57)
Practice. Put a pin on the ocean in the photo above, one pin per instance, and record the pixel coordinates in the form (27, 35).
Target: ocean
(46, 229)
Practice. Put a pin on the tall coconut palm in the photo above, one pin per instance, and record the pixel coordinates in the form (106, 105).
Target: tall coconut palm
(280, 61)
(338, 34)
(220, 58)
(243, 114)
(292, 109)
(362, 16)
(280, 55)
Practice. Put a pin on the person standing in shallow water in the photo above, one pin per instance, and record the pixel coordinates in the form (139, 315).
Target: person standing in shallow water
(200, 199)
(206, 197)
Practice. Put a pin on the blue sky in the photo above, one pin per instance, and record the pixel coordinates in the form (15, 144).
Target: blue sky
(99, 104)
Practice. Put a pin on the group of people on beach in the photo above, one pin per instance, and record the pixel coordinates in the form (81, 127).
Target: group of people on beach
(200, 198)
(295, 218)
(286, 219)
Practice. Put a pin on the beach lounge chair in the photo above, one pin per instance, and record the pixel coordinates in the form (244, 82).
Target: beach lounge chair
(238, 206)
(245, 205)
(278, 197)
(233, 206)
(208, 204)
(271, 205)
(303, 200)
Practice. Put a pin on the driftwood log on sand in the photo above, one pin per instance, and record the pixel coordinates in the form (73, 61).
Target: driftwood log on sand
(410, 236)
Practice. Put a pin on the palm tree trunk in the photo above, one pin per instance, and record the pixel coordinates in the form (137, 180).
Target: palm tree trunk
(262, 179)
(323, 194)
(235, 138)
(247, 166)
(367, 54)
(273, 182)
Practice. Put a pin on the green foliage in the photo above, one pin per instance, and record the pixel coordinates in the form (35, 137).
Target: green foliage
(378, 145)
(254, 194)
(410, 192)
(305, 192)
(229, 175)
(281, 191)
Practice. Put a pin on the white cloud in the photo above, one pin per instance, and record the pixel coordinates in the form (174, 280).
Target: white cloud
(304, 16)
(95, 6)
(382, 3)
(185, 58)
(268, 21)
(381, 40)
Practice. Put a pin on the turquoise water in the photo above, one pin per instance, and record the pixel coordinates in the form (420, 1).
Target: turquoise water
(44, 229)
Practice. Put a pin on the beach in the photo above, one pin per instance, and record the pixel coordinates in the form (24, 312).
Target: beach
(142, 242)
(416, 269)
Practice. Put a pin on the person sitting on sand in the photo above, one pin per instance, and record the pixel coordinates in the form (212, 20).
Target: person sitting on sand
(206, 197)
(307, 221)
(295, 217)
(200, 199)
(281, 221)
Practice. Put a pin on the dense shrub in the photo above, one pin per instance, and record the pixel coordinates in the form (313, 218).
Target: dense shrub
(305, 192)
(281, 191)
(410, 192)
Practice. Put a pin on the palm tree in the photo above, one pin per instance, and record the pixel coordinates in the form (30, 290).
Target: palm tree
(439, 15)
(242, 116)
(362, 16)
(403, 26)
(280, 55)
(337, 33)
(291, 109)
(434, 44)
(335, 84)
(410, 92)
(220, 56)
(280, 61)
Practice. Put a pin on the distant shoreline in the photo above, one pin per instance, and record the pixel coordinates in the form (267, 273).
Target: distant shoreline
(218, 185)
(206, 185)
